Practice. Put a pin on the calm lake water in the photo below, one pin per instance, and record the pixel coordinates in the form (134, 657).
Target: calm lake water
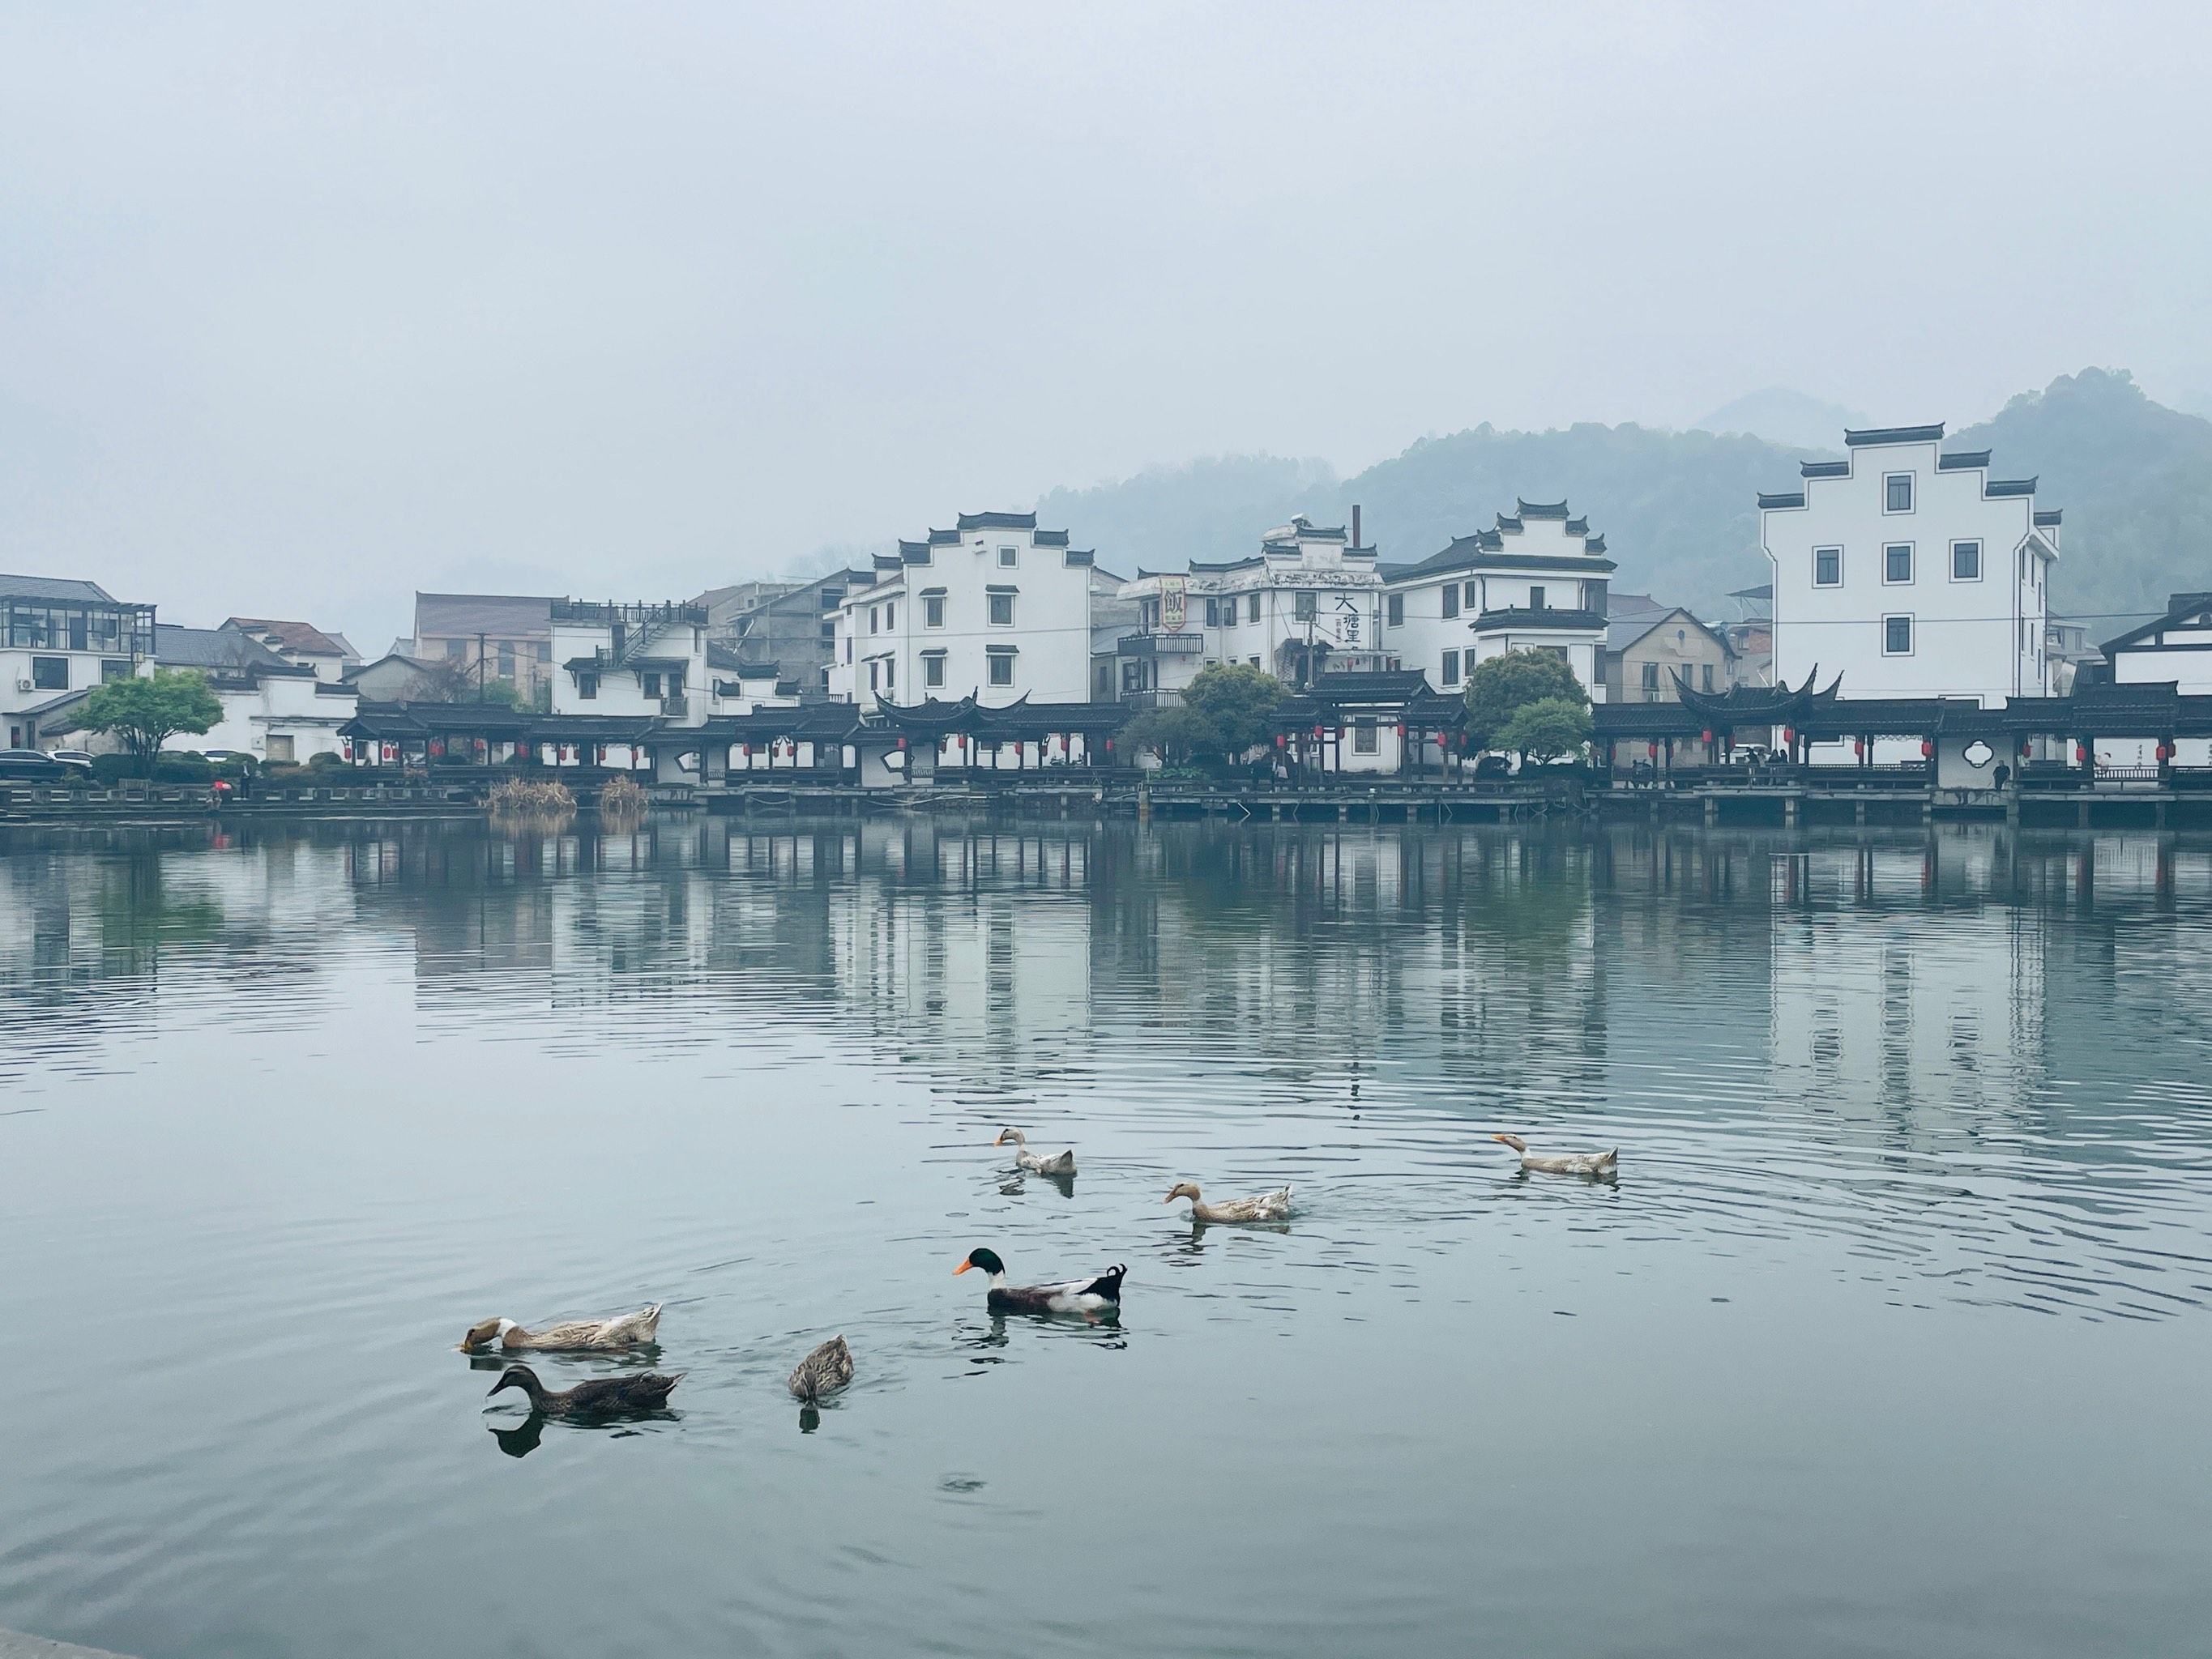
(1895, 1337)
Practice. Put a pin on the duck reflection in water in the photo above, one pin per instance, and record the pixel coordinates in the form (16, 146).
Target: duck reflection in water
(521, 1439)
(1015, 1186)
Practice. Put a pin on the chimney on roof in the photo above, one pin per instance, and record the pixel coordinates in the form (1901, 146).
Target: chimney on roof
(1356, 542)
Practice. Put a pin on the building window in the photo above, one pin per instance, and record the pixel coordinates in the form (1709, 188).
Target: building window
(1008, 558)
(1002, 668)
(1252, 610)
(1706, 670)
(1897, 492)
(1306, 606)
(932, 668)
(890, 617)
(114, 668)
(1451, 600)
(1397, 611)
(1897, 636)
(1148, 614)
(932, 610)
(1651, 679)
(890, 672)
(1363, 737)
(1473, 602)
(1213, 613)
(1966, 562)
(1897, 563)
(849, 651)
(875, 619)
(1536, 599)
(1451, 668)
(651, 682)
(545, 651)
(280, 748)
(507, 659)
(50, 674)
(587, 686)
(1002, 610)
(456, 648)
(874, 672)
(1827, 566)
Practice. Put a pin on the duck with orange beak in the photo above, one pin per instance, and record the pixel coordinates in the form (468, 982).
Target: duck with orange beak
(1087, 1297)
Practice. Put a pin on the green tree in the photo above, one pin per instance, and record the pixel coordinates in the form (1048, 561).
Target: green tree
(1178, 735)
(1239, 701)
(1499, 686)
(1546, 730)
(145, 713)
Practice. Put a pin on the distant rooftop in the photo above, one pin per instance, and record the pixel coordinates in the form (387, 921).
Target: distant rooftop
(53, 587)
(303, 637)
(510, 616)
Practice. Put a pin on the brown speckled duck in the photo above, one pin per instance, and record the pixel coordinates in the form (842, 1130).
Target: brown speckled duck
(1036, 1163)
(825, 1370)
(1596, 1165)
(1264, 1206)
(570, 1336)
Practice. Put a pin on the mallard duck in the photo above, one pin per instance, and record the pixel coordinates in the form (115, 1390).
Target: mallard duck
(1036, 1163)
(571, 1336)
(600, 1396)
(825, 1370)
(1599, 1164)
(1078, 1295)
(1266, 1207)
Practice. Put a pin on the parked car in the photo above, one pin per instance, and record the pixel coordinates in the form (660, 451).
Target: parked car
(1493, 766)
(29, 765)
(70, 757)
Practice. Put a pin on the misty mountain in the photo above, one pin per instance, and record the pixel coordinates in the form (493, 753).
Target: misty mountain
(2135, 479)
(1782, 416)
(1679, 509)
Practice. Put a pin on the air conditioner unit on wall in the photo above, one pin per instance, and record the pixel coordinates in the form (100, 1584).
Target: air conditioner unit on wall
(22, 685)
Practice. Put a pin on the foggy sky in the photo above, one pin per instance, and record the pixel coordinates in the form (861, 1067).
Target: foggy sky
(301, 310)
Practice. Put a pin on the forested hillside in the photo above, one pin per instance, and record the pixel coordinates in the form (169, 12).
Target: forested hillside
(1679, 509)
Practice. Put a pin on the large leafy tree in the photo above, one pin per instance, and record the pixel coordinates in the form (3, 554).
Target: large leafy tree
(1177, 735)
(1239, 701)
(145, 713)
(1502, 685)
(1545, 730)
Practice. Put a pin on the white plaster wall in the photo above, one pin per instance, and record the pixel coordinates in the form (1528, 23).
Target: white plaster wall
(1981, 638)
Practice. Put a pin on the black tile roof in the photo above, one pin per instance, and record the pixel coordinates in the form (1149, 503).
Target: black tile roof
(945, 538)
(1894, 434)
(1520, 617)
(1049, 538)
(1781, 498)
(53, 587)
(1539, 509)
(1824, 468)
(998, 521)
(219, 650)
(2008, 486)
(2047, 518)
(1961, 460)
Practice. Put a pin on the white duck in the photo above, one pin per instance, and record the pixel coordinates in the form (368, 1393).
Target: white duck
(1036, 1162)
(1598, 1165)
(571, 1336)
(1265, 1206)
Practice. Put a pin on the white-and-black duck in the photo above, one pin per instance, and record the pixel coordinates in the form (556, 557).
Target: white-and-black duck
(825, 1370)
(1598, 1166)
(1036, 1163)
(570, 1336)
(1087, 1297)
(1262, 1207)
(597, 1396)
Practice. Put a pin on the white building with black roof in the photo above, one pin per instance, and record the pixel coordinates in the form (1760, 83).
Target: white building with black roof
(1536, 581)
(1309, 603)
(994, 608)
(1911, 572)
(59, 637)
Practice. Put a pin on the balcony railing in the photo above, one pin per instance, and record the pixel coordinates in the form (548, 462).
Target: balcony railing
(1159, 645)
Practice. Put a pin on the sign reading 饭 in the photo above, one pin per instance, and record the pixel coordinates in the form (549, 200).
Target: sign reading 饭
(1175, 603)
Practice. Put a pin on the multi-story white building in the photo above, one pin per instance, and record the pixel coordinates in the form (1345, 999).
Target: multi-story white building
(1534, 581)
(995, 608)
(1309, 603)
(60, 638)
(633, 659)
(1913, 573)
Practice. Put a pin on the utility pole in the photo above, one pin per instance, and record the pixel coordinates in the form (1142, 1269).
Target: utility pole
(480, 683)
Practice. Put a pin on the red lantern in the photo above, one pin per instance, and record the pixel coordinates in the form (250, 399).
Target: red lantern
(745, 749)
(1317, 734)
(902, 743)
(1706, 735)
(1926, 748)
(2081, 751)
(1651, 751)
(1402, 728)
(1278, 740)
(1789, 735)
(2026, 748)
(1858, 746)
(1109, 745)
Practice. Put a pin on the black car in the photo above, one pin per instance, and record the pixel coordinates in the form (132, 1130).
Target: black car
(1490, 767)
(29, 765)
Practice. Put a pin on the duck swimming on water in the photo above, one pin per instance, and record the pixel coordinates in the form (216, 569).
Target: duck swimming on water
(1036, 1162)
(571, 1336)
(1266, 1207)
(825, 1370)
(1087, 1297)
(1598, 1165)
(599, 1396)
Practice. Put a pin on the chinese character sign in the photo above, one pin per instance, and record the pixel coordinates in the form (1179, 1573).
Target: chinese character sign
(1175, 603)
